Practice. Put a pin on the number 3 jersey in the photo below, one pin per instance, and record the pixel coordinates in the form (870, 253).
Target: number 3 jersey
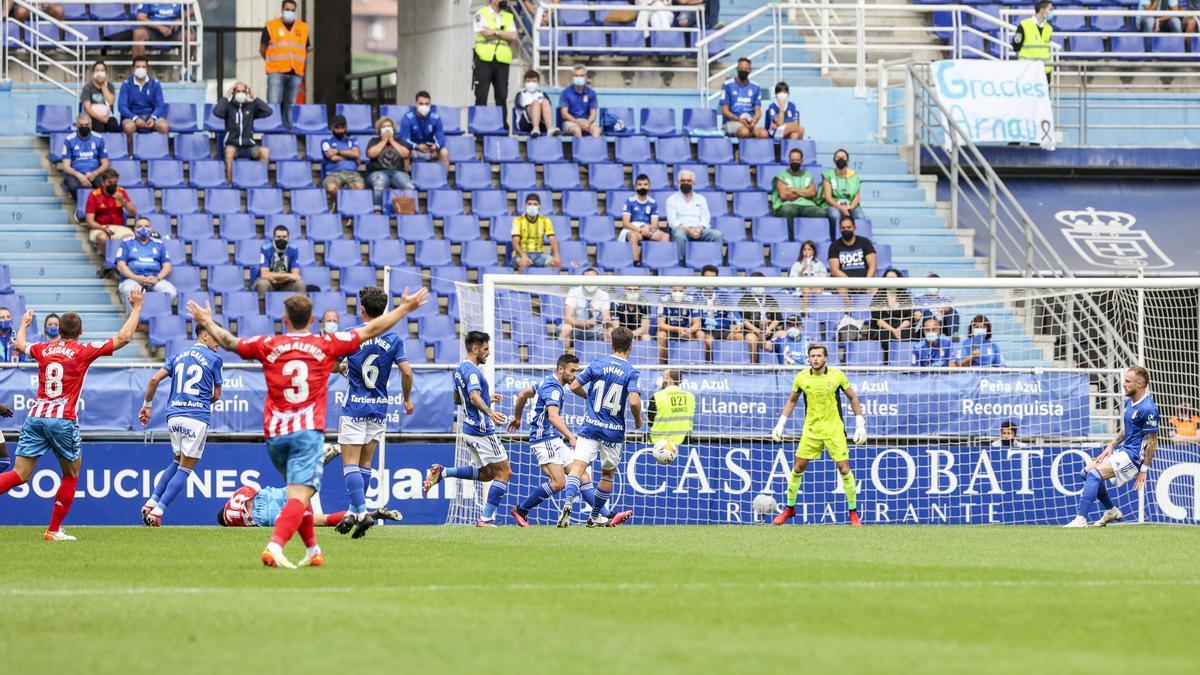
(296, 367)
(609, 381)
(62, 366)
(369, 370)
(195, 375)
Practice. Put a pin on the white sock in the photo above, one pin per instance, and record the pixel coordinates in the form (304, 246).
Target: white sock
(151, 503)
(313, 550)
(275, 548)
(156, 511)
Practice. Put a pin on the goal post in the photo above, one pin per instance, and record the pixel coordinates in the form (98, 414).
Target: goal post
(986, 426)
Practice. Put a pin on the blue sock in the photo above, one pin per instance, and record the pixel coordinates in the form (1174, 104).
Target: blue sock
(571, 491)
(495, 494)
(354, 488)
(463, 472)
(1102, 495)
(366, 476)
(161, 485)
(588, 493)
(173, 488)
(541, 494)
(601, 499)
(1090, 489)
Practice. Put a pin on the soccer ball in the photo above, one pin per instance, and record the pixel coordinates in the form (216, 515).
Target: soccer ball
(665, 452)
(764, 505)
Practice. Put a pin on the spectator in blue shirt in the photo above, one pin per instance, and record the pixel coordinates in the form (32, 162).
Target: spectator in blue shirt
(8, 353)
(164, 26)
(791, 344)
(934, 304)
(741, 104)
(278, 265)
(144, 263)
(783, 120)
(978, 350)
(340, 166)
(422, 133)
(935, 350)
(84, 156)
(677, 320)
(717, 322)
(578, 107)
(639, 218)
(141, 103)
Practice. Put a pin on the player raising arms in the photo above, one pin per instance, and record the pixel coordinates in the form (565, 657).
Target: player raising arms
(1127, 456)
(196, 383)
(296, 366)
(479, 426)
(551, 440)
(821, 386)
(610, 384)
(52, 423)
(364, 417)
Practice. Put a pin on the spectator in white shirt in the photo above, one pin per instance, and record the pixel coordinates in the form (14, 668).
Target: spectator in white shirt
(808, 264)
(688, 216)
(534, 114)
(587, 315)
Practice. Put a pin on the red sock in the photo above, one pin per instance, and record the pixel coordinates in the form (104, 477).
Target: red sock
(332, 519)
(9, 480)
(307, 534)
(288, 521)
(62, 502)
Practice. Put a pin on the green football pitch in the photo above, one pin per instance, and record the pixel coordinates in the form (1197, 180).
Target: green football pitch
(627, 600)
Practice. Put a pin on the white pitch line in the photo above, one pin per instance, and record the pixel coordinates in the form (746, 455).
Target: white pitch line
(614, 586)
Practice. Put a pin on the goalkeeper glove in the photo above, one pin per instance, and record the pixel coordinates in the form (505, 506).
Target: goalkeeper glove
(777, 432)
(860, 430)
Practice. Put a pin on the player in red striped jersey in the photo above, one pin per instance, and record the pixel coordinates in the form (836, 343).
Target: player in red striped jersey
(296, 366)
(52, 423)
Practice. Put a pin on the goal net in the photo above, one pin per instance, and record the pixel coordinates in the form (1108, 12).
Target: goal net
(983, 399)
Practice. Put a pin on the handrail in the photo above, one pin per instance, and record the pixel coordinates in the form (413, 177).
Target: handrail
(38, 57)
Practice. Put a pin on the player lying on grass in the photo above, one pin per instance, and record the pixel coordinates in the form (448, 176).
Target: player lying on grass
(1127, 456)
(821, 386)
(551, 442)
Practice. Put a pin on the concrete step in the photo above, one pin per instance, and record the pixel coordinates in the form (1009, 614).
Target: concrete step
(32, 218)
(96, 296)
(33, 229)
(20, 160)
(21, 190)
(25, 246)
(907, 247)
(29, 270)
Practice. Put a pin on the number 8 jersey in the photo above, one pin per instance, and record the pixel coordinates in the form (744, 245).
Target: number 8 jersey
(296, 367)
(62, 366)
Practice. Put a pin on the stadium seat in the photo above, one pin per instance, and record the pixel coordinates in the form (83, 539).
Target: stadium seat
(251, 325)
(590, 150)
(734, 178)
(312, 147)
(372, 227)
(114, 143)
(206, 173)
(597, 229)
(210, 252)
(473, 176)
(700, 171)
(606, 177)
(440, 327)
(462, 149)
(194, 227)
(289, 220)
(756, 151)
(324, 301)
(769, 230)
(1168, 44)
(750, 204)
(633, 150)
(237, 227)
(429, 175)
(701, 253)
(325, 227)
(433, 253)
(490, 204)
(746, 255)
(293, 174)
(309, 201)
(142, 198)
(54, 119)
(628, 41)
(219, 201)
(414, 227)
(451, 119)
(190, 147)
(150, 146)
(163, 173)
(1108, 23)
(1085, 43)
(163, 329)
(358, 117)
(445, 351)
(715, 150)
(460, 229)
(733, 228)
(478, 254)
(407, 277)
(809, 148)
(225, 279)
(544, 150)
(699, 119)
(236, 304)
(248, 253)
(249, 173)
(659, 255)
(185, 278)
(414, 351)
(658, 122)
(517, 176)
(766, 175)
(181, 117)
(625, 115)
(673, 150)
(395, 111)
(1063, 22)
(864, 353)
(389, 253)
(718, 205)
(486, 120)
(501, 149)
(130, 170)
(657, 173)
(574, 254)
(579, 203)
(310, 119)
(668, 42)
(282, 147)
(352, 203)
(343, 253)
(817, 229)
(613, 255)
(179, 201)
(560, 177)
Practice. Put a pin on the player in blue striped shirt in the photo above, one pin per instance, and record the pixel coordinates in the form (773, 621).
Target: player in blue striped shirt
(196, 382)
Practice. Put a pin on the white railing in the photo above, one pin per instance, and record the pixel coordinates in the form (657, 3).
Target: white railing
(1013, 17)
(61, 64)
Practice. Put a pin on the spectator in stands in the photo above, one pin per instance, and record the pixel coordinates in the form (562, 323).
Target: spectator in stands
(99, 101)
(578, 106)
(1191, 22)
(1159, 24)
(741, 104)
(653, 19)
(329, 322)
(783, 120)
(106, 209)
(141, 103)
(8, 353)
(284, 46)
(891, 316)
(422, 133)
(531, 7)
(50, 328)
(534, 112)
(791, 344)
(164, 18)
(717, 321)
(22, 15)
(794, 192)
(143, 263)
(841, 191)
(677, 320)
(529, 234)
(84, 156)
(629, 311)
(340, 168)
(385, 160)
(239, 109)
(495, 35)
(978, 350)
(688, 216)
(808, 265)
(712, 12)
(851, 255)
(1031, 40)
(935, 350)
(1186, 423)
(279, 269)
(588, 314)
(933, 303)
(760, 318)
(1008, 436)
(639, 218)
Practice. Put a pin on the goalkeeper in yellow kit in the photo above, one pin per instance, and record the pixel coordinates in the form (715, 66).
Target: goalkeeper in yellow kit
(821, 387)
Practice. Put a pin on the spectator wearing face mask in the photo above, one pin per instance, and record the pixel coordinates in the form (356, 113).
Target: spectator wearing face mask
(239, 109)
(791, 344)
(741, 104)
(935, 350)
(851, 255)
(978, 350)
(422, 132)
(717, 319)
(808, 266)
(783, 120)
(143, 263)
(163, 25)
(530, 233)
(587, 315)
(1008, 436)
(760, 318)
(385, 160)
(890, 320)
(578, 105)
(688, 216)
(50, 329)
(141, 103)
(340, 166)
(106, 210)
(841, 191)
(329, 322)
(8, 334)
(934, 304)
(639, 218)
(99, 101)
(677, 320)
(278, 267)
(84, 156)
(532, 107)
(629, 311)
(284, 47)
(653, 19)
(794, 192)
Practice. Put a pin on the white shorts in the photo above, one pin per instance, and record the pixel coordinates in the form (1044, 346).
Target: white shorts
(359, 430)
(187, 436)
(485, 450)
(1124, 470)
(779, 132)
(553, 451)
(587, 449)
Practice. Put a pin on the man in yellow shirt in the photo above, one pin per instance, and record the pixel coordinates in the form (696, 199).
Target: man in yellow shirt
(529, 234)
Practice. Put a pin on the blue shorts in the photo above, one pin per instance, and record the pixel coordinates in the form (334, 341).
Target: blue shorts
(267, 504)
(40, 434)
(298, 457)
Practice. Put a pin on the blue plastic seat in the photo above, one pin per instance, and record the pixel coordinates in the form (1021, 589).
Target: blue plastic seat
(186, 278)
(1086, 43)
(579, 203)
(750, 204)
(746, 255)
(628, 41)
(490, 203)
(249, 173)
(715, 150)
(478, 254)
(784, 253)
(659, 255)
(451, 119)
(309, 201)
(439, 327)
(210, 252)
(1064, 22)
(289, 220)
(252, 325)
(182, 117)
(248, 253)
(574, 17)
(309, 119)
(312, 147)
(1168, 44)
(224, 279)
(473, 176)
(343, 253)
(658, 122)
(414, 350)
(1123, 45)
(574, 254)
(212, 123)
(206, 173)
(325, 227)
(389, 253)
(190, 147)
(701, 253)
(756, 151)
(592, 42)
(219, 201)
(734, 177)
(396, 111)
(114, 143)
(486, 120)
(597, 229)
(699, 119)
(163, 173)
(283, 147)
(766, 175)
(625, 115)
(717, 203)
(732, 228)
(817, 229)
(633, 150)
(237, 227)
(561, 177)
(143, 199)
(293, 174)
(517, 176)
(150, 146)
(179, 201)
(429, 175)
(327, 300)
(591, 150)
(54, 118)
(544, 150)
(614, 255)
(355, 277)
(372, 227)
(415, 227)
(1109, 23)
(770, 230)
(606, 176)
(673, 150)
(194, 227)
(433, 253)
(501, 149)
(355, 202)
(462, 149)
(809, 148)
(163, 329)
(460, 229)
(865, 353)
(668, 42)
(236, 304)
(410, 278)
(358, 117)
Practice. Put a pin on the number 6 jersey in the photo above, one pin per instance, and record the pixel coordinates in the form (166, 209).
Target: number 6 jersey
(62, 366)
(296, 367)
(368, 372)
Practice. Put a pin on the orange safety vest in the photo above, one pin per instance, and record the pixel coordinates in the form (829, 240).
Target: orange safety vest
(287, 50)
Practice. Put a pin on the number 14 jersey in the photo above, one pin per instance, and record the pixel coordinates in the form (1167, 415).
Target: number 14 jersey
(609, 380)
(296, 367)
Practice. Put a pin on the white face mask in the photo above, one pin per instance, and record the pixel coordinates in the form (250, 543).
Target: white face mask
(632, 295)
(782, 97)
(932, 336)
(678, 296)
(331, 327)
(979, 332)
(579, 81)
(793, 333)
(758, 290)
(531, 87)
(139, 73)
(532, 210)
(590, 290)
(240, 97)
(423, 110)
(100, 76)
(933, 292)
(386, 131)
